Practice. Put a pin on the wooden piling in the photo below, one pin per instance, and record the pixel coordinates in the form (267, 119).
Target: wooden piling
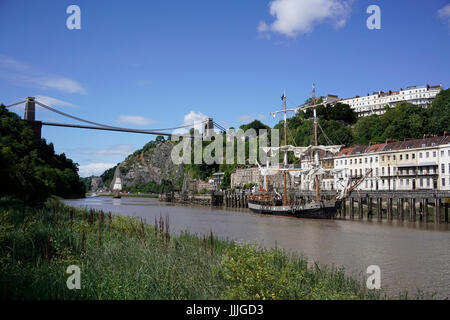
(344, 208)
(437, 211)
(352, 208)
(425, 210)
(360, 209)
(389, 209)
(369, 208)
(446, 212)
(402, 209)
(379, 209)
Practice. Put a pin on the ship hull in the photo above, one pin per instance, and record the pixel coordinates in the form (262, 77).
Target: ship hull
(316, 210)
(116, 194)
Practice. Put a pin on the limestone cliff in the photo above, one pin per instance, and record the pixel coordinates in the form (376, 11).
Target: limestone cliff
(149, 164)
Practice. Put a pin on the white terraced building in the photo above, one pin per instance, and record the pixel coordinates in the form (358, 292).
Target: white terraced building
(375, 103)
(412, 164)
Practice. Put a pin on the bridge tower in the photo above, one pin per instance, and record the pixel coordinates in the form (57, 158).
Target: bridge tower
(208, 128)
(30, 117)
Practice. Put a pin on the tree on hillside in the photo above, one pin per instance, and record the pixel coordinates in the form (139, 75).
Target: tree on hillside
(368, 129)
(439, 113)
(256, 125)
(30, 168)
(404, 121)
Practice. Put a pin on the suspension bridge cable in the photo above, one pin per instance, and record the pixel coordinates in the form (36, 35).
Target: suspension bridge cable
(14, 104)
(108, 126)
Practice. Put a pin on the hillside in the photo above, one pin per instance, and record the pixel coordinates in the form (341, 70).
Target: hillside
(29, 167)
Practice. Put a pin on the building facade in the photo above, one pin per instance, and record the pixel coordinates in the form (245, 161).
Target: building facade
(411, 164)
(376, 102)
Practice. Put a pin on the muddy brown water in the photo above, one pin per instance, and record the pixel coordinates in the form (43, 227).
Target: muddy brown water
(410, 255)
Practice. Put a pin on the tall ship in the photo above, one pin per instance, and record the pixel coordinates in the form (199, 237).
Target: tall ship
(272, 202)
(117, 188)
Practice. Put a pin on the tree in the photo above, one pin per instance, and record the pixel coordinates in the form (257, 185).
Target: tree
(368, 129)
(439, 113)
(30, 169)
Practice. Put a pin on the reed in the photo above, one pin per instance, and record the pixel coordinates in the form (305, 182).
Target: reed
(130, 259)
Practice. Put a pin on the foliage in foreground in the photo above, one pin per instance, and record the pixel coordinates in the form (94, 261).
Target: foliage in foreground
(29, 167)
(125, 258)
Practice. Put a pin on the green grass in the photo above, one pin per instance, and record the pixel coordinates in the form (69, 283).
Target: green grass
(124, 258)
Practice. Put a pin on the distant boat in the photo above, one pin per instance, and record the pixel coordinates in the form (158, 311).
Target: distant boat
(117, 188)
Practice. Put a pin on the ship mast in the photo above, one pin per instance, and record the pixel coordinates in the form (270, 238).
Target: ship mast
(285, 111)
(316, 153)
(285, 152)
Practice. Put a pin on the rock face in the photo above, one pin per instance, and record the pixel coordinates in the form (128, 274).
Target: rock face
(96, 184)
(153, 164)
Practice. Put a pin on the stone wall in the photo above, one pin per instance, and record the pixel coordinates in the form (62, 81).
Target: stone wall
(240, 177)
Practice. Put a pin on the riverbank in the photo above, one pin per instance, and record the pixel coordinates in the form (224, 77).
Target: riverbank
(128, 195)
(125, 258)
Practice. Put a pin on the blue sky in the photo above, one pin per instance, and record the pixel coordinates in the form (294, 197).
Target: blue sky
(159, 64)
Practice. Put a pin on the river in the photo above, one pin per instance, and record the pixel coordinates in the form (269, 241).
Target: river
(410, 255)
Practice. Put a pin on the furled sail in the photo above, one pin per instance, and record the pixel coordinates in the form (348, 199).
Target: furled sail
(301, 151)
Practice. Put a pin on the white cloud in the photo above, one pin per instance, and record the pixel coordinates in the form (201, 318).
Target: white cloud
(23, 74)
(193, 120)
(53, 102)
(444, 13)
(116, 150)
(137, 120)
(94, 169)
(61, 84)
(294, 17)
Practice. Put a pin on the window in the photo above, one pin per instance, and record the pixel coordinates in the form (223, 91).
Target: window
(406, 156)
(421, 182)
(413, 156)
(401, 157)
(382, 171)
(427, 154)
(350, 161)
(443, 182)
(382, 158)
(360, 160)
(420, 155)
(365, 160)
(442, 168)
(345, 162)
(442, 153)
(376, 159)
(434, 154)
(393, 157)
